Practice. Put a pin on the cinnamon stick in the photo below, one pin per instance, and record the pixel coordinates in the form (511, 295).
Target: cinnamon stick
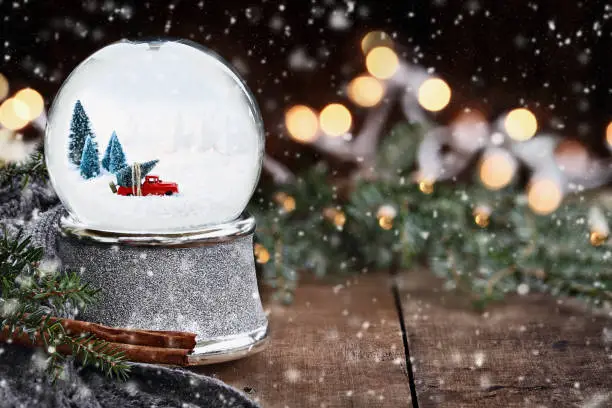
(152, 338)
(138, 353)
(139, 337)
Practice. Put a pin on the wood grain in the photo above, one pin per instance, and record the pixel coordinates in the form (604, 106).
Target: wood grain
(529, 351)
(335, 346)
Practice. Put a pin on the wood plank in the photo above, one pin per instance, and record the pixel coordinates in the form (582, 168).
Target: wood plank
(528, 351)
(335, 346)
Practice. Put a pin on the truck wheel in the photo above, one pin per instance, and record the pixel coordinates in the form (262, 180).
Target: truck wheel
(168, 193)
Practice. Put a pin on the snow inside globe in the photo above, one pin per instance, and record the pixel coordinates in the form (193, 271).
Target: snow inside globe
(154, 137)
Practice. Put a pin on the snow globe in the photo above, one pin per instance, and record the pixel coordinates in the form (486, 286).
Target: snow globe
(155, 148)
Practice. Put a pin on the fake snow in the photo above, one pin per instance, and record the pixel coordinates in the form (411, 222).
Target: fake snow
(176, 104)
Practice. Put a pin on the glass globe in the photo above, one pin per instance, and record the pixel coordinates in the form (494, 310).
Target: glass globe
(154, 137)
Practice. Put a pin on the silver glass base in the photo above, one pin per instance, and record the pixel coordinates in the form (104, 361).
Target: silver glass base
(229, 348)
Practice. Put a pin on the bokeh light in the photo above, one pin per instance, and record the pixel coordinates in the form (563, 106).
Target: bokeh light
(609, 134)
(4, 87)
(14, 114)
(302, 123)
(598, 238)
(497, 169)
(375, 39)
(335, 119)
(544, 196)
(382, 62)
(366, 91)
(33, 100)
(262, 255)
(521, 124)
(434, 94)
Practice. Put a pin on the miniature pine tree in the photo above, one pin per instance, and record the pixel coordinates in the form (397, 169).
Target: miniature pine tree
(117, 156)
(124, 176)
(80, 130)
(90, 165)
(107, 153)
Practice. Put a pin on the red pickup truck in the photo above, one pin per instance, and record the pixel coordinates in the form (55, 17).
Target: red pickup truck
(152, 185)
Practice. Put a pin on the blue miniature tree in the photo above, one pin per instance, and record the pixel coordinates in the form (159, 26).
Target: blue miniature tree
(114, 157)
(80, 130)
(124, 176)
(117, 156)
(107, 153)
(90, 165)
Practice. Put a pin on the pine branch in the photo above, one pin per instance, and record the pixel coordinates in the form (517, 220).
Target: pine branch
(29, 298)
(312, 225)
(33, 168)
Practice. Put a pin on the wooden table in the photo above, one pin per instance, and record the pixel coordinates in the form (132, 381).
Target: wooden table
(378, 340)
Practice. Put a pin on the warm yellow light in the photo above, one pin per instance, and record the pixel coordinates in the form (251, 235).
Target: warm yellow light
(426, 186)
(335, 119)
(609, 134)
(262, 255)
(497, 170)
(4, 87)
(544, 196)
(598, 238)
(385, 222)
(434, 94)
(302, 123)
(366, 91)
(521, 124)
(285, 200)
(14, 114)
(32, 100)
(375, 39)
(337, 217)
(382, 62)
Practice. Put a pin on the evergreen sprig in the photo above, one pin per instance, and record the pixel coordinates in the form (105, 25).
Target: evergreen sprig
(331, 231)
(32, 294)
(32, 168)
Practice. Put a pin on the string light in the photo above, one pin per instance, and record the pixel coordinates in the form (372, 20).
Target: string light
(286, 201)
(4, 87)
(335, 119)
(375, 39)
(386, 214)
(33, 100)
(434, 94)
(262, 255)
(302, 123)
(597, 238)
(337, 217)
(497, 169)
(426, 186)
(382, 62)
(598, 223)
(521, 124)
(14, 114)
(544, 196)
(366, 91)
(482, 215)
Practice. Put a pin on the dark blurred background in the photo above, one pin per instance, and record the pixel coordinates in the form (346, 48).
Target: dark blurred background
(552, 56)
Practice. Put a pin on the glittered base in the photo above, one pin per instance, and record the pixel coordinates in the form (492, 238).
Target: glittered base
(208, 288)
